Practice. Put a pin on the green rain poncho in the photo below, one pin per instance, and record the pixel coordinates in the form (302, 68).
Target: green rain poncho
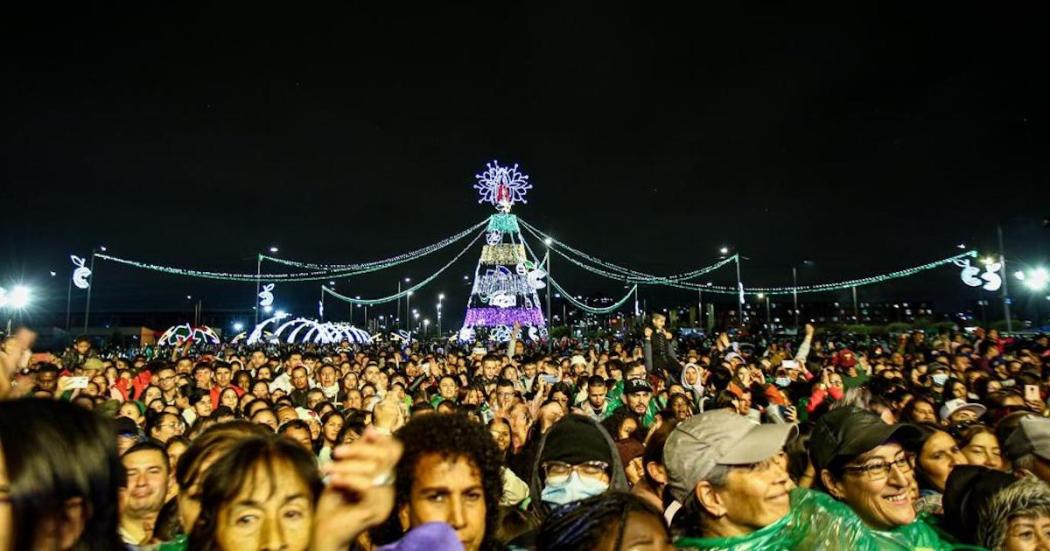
(818, 522)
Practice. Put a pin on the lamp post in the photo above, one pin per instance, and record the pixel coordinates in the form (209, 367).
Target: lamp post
(550, 341)
(398, 316)
(87, 305)
(1005, 287)
(441, 298)
(258, 279)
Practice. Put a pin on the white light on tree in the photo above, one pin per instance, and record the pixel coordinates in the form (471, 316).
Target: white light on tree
(81, 273)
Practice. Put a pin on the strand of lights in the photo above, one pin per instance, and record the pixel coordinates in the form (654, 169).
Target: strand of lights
(301, 276)
(504, 253)
(718, 289)
(591, 309)
(224, 276)
(399, 259)
(580, 305)
(405, 292)
(503, 223)
(836, 286)
(621, 273)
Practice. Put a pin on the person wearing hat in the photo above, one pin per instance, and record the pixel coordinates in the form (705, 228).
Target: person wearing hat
(728, 475)
(997, 510)
(860, 460)
(576, 459)
(1028, 447)
(960, 411)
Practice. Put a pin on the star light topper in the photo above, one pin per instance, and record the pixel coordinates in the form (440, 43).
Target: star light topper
(502, 186)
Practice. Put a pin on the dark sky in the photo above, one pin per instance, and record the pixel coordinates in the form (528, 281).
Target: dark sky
(865, 140)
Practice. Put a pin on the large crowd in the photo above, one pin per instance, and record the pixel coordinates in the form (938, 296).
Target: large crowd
(645, 441)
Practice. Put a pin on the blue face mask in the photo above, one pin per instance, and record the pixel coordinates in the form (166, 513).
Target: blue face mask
(939, 379)
(572, 490)
(782, 381)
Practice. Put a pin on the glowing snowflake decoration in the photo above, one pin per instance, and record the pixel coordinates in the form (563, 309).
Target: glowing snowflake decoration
(502, 186)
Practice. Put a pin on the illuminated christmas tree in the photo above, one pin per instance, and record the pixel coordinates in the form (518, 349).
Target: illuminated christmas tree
(505, 280)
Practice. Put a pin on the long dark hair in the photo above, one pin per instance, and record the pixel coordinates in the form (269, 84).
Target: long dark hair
(585, 523)
(54, 451)
(228, 476)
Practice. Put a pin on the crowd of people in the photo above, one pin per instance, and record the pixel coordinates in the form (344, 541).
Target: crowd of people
(646, 441)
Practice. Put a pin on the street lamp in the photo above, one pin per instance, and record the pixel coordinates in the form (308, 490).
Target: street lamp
(17, 299)
(426, 325)
(274, 249)
(406, 280)
(1036, 279)
(441, 298)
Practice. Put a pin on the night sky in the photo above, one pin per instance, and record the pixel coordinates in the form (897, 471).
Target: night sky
(866, 141)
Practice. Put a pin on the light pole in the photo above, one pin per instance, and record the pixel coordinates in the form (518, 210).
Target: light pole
(1006, 287)
(769, 315)
(398, 316)
(740, 286)
(856, 313)
(258, 279)
(550, 341)
(794, 294)
(426, 326)
(408, 298)
(69, 296)
(441, 298)
(87, 305)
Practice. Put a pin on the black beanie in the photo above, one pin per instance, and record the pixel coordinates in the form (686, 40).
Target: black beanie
(574, 440)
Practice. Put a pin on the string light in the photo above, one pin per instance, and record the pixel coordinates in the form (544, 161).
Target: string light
(591, 309)
(393, 261)
(302, 276)
(406, 292)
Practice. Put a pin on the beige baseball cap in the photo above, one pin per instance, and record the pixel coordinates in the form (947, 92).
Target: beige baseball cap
(719, 437)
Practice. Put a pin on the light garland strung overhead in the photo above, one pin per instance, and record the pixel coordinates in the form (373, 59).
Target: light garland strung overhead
(393, 261)
(405, 292)
(619, 272)
(316, 275)
(592, 309)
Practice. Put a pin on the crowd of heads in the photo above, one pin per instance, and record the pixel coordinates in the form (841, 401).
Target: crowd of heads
(636, 442)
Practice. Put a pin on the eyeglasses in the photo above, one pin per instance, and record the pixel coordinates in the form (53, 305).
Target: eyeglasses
(880, 470)
(558, 472)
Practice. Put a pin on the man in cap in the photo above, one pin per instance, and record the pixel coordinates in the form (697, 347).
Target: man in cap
(728, 473)
(960, 411)
(1028, 447)
(638, 401)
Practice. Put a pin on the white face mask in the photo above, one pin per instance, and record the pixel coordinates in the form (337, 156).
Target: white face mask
(574, 489)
